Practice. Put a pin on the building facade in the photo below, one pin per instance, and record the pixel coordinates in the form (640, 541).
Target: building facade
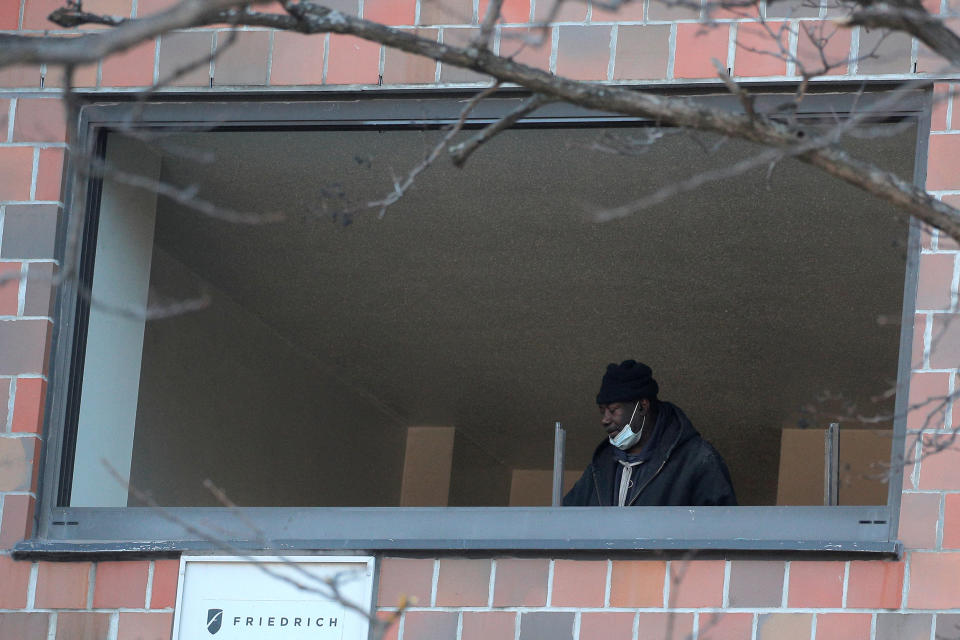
(909, 592)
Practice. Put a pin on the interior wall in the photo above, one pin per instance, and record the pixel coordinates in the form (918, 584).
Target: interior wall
(224, 397)
(488, 299)
(108, 402)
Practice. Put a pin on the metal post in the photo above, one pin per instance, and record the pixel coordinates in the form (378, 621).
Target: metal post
(559, 442)
(831, 465)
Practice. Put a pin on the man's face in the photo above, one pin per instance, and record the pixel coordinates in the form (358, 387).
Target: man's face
(614, 416)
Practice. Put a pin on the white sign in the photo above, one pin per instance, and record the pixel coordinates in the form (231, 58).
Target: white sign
(273, 598)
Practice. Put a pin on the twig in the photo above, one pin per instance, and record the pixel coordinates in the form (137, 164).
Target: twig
(459, 153)
(400, 188)
(482, 41)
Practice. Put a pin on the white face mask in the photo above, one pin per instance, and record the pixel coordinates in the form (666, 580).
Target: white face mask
(626, 439)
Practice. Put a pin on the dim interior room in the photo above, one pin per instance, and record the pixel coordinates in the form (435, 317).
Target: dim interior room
(422, 357)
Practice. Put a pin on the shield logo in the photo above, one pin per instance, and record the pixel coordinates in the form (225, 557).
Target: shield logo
(214, 618)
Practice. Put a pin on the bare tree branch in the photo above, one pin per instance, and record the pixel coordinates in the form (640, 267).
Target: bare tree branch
(916, 21)
(307, 17)
(460, 152)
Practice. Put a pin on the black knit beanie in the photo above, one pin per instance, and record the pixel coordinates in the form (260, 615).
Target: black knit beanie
(629, 380)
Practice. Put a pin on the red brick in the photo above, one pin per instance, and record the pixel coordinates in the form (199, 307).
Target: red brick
(608, 626)
(934, 281)
(17, 456)
(13, 586)
(84, 625)
(526, 46)
(400, 67)
(874, 584)
(28, 405)
(39, 120)
(663, 626)
(637, 583)
(405, 579)
(352, 61)
(951, 521)
(843, 626)
(940, 467)
(4, 118)
(945, 242)
(583, 53)
(5, 384)
(942, 172)
(441, 625)
(144, 626)
(835, 42)
(24, 626)
(643, 52)
(243, 60)
(919, 513)
(391, 12)
(62, 585)
(17, 520)
(696, 583)
(21, 76)
(16, 172)
(941, 100)
(784, 626)
(460, 37)
(579, 583)
(945, 344)
(35, 13)
(49, 174)
(884, 52)
(180, 51)
(933, 581)
(714, 10)
(445, 12)
(628, 11)
(10, 15)
(757, 50)
(815, 584)
(132, 68)
(756, 583)
(919, 329)
(697, 45)
(726, 626)
(297, 59)
(9, 290)
(84, 75)
(926, 406)
(521, 582)
(121, 584)
(569, 11)
(511, 11)
(463, 582)
(166, 575)
(489, 625)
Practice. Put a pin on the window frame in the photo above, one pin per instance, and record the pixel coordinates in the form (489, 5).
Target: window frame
(65, 529)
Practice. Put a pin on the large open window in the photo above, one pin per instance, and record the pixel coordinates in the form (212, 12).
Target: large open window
(343, 362)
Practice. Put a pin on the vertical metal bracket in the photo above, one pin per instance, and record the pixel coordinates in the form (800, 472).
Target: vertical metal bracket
(831, 465)
(559, 443)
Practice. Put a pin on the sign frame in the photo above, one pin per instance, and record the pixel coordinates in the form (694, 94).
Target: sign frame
(364, 563)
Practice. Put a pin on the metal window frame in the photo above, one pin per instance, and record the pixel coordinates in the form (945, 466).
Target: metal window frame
(106, 530)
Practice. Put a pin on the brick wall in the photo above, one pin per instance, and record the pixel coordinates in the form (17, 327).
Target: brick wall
(498, 597)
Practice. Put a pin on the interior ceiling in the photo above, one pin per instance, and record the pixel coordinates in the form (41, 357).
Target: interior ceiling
(488, 299)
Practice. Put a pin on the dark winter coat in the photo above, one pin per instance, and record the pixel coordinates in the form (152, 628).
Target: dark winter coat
(683, 469)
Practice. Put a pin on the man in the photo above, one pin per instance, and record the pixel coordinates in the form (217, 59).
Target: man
(652, 454)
